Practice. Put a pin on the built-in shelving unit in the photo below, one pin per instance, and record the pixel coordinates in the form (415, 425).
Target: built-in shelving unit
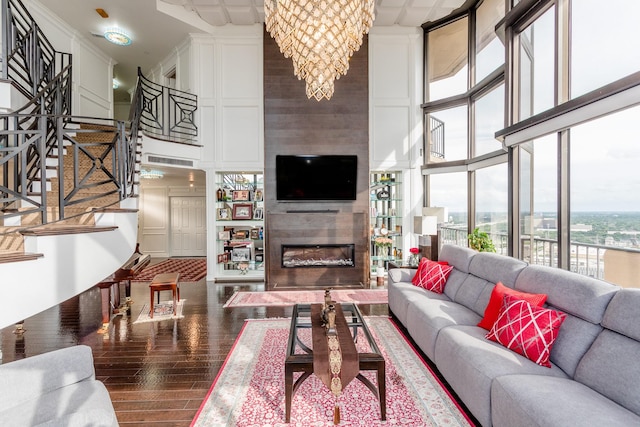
(385, 195)
(240, 226)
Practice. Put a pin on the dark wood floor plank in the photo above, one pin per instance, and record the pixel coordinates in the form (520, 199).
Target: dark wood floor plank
(157, 374)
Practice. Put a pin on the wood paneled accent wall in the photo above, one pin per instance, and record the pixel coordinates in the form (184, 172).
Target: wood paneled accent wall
(294, 124)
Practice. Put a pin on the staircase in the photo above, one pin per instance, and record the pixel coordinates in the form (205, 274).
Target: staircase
(68, 185)
(68, 206)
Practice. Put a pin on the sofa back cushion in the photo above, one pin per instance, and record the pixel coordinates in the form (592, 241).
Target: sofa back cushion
(584, 299)
(611, 368)
(459, 258)
(471, 291)
(572, 293)
(496, 268)
(623, 313)
(612, 364)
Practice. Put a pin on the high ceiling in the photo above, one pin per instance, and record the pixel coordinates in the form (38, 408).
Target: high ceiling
(157, 26)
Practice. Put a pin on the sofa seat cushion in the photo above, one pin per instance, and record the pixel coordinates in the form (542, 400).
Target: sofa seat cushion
(470, 363)
(81, 404)
(401, 294)
(428, 315)
(534, 400)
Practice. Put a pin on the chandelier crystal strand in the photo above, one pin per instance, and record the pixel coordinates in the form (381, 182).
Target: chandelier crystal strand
(319, 36)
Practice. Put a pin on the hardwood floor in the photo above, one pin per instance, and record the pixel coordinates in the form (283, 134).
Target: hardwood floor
(157, 373)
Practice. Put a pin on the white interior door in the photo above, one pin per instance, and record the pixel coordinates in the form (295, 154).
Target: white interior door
(188, 226)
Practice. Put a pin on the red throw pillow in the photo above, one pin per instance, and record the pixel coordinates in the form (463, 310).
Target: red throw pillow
(526, 329)
(432, 275)
(495, 302)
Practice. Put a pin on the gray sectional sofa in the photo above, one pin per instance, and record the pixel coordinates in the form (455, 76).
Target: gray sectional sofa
(54, 389)
(594, 379)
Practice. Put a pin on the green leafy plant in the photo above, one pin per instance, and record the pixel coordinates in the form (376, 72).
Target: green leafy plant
(480, 241)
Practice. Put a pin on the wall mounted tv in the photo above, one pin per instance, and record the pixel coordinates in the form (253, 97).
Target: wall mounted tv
(316, 177)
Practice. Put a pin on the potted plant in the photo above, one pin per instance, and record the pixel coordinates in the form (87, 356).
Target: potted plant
(480, 241)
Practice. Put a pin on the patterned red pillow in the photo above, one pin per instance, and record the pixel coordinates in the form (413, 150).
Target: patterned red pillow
(526, 329)
(495, 303)
(432, 275)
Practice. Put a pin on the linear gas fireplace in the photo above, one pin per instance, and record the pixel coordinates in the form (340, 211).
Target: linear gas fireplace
(334, 255)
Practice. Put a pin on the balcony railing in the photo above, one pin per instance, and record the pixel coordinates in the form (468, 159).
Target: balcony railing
(436, 137)
(586, 259)
(164, 112)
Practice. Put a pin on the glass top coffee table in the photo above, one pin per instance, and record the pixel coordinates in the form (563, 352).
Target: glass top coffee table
(300, 354)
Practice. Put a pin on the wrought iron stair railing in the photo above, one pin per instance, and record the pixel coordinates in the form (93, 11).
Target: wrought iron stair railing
(164, 112)
(79, 161)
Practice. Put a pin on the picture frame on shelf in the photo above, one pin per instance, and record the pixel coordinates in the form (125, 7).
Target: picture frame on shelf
(242, 211)
(223, 214)
(240, 195)
(241, 234)
(241, 254)
(259, 258)
(224, 235)
(255, 234)
(258, 213)
(258, 196)
(223, 258)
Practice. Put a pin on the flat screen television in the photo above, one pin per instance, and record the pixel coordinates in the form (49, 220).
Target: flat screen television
(316, 177)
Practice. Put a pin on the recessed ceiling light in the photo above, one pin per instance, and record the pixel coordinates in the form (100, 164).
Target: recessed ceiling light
(117, 36)
(102, 13)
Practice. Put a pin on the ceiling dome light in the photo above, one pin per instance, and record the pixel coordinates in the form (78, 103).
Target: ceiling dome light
(117, 36)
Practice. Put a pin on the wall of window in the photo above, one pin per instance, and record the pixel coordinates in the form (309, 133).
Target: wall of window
(492, 204)
(605, 42)
(577, 187)
(489, 116)
(448, 59)
(537, 65)
(569, 125)
(538, 185)
(464, 107)
(449, 190)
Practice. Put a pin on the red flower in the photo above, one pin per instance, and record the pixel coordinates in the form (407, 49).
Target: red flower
(414, 251)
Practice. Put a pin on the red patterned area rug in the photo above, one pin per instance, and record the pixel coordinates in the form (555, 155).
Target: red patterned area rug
(190, 269)
(285, 298)
(249, 390)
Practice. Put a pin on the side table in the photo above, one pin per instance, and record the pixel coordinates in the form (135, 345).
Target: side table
(165, 282)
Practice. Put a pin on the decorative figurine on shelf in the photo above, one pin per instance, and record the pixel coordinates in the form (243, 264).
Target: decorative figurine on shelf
(219, 194)
(243, 267)
(415, 257)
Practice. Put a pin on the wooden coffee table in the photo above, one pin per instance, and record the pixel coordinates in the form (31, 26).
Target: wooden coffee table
(300, 356)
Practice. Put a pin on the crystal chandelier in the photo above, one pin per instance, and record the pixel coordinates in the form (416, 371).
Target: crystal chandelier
(319, 36)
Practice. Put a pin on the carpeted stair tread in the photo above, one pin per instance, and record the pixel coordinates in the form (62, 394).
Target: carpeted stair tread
(55, 230)
(7, 257)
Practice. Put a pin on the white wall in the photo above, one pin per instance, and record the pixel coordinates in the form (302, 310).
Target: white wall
(92, 69)
(395, 116)
(226, 74)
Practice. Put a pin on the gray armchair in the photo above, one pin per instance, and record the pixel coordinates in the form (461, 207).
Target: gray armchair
(54, 389)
